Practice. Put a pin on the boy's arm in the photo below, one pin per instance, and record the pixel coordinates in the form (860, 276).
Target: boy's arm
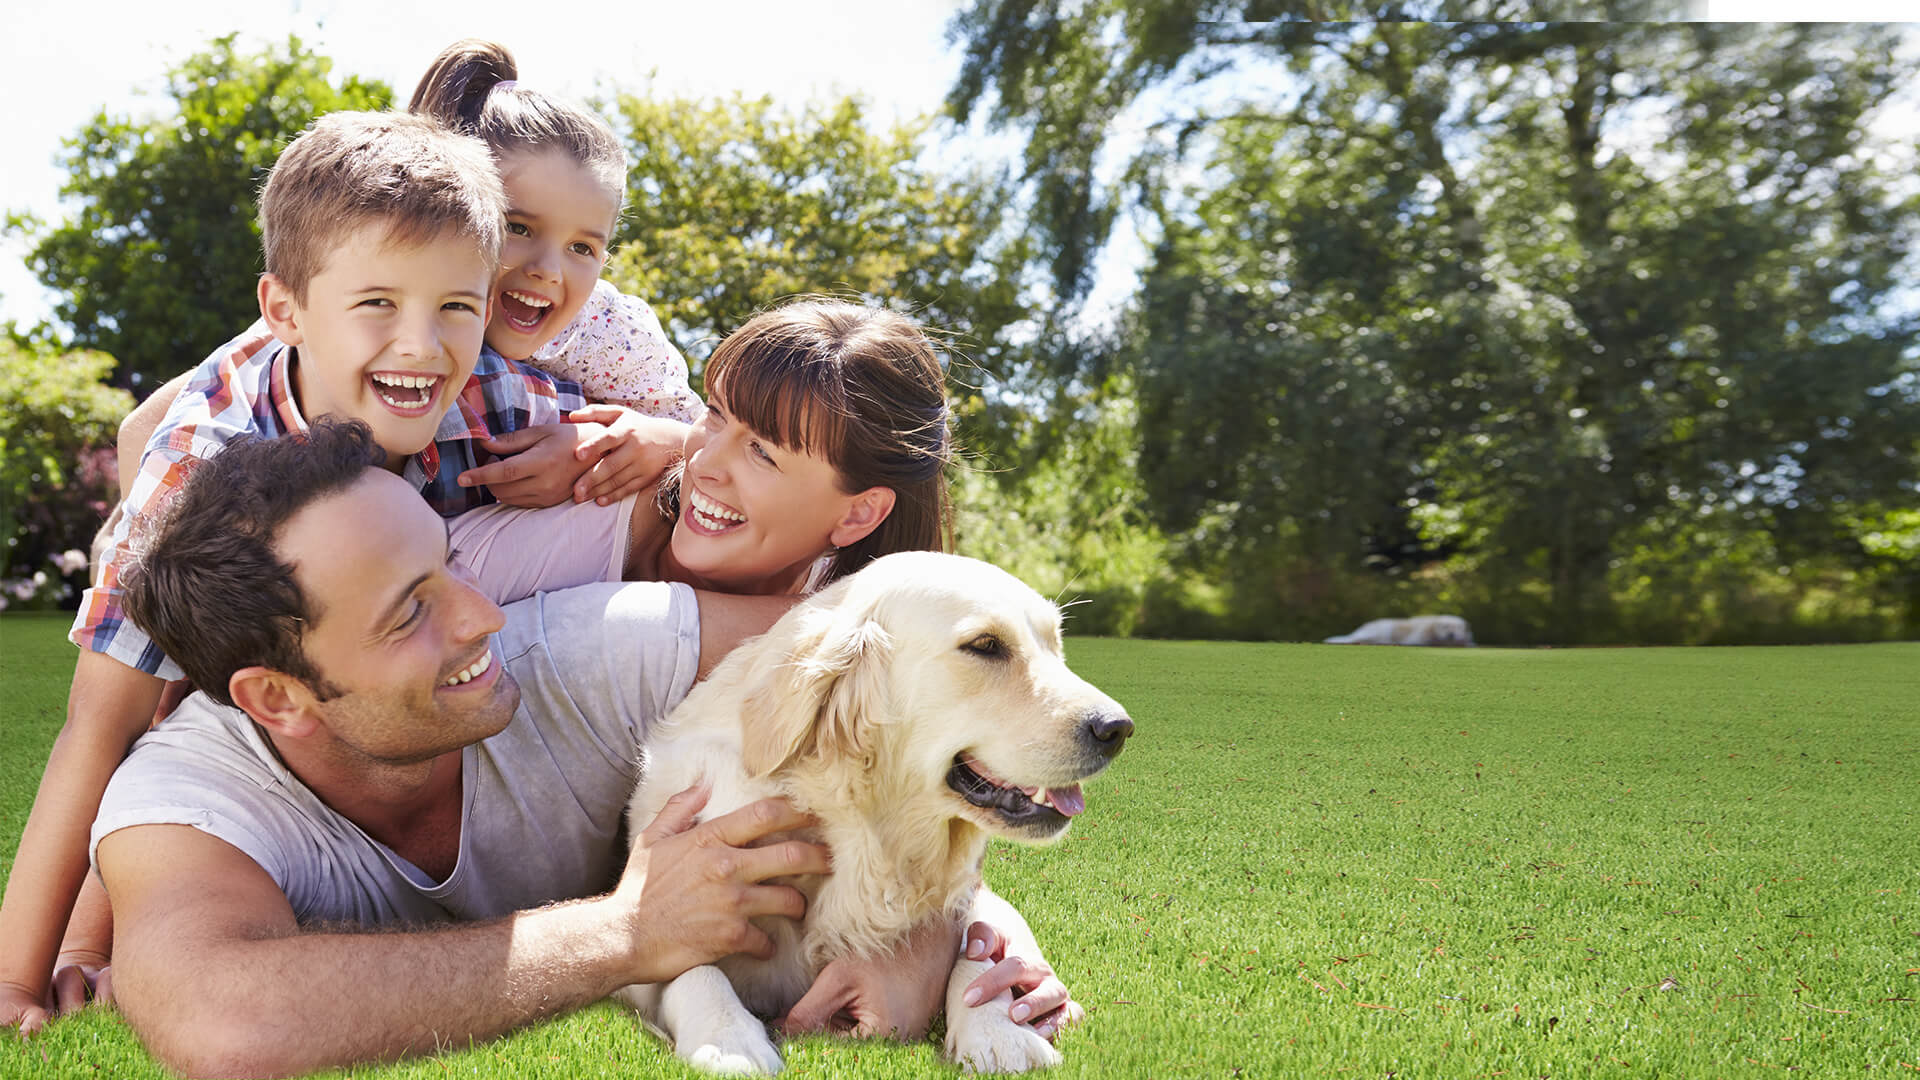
(215, 975)
(108, 708)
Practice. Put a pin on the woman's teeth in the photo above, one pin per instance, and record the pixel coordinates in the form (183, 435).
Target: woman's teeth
(711, 515)
(478, 669)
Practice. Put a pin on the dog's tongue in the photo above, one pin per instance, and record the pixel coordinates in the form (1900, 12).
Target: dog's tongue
(1067, 800)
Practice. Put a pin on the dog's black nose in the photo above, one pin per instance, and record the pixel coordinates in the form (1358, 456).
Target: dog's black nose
(1109, 731)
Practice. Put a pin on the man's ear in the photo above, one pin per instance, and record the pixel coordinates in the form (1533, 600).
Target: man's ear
(864, 514)
(276, 700)
(280, 308)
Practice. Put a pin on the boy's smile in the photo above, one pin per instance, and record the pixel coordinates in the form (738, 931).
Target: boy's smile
(388, 334)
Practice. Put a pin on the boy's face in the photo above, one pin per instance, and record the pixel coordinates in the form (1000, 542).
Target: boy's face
(388, 334)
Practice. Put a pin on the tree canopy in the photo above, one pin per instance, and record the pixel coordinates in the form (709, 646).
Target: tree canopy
(157, 265)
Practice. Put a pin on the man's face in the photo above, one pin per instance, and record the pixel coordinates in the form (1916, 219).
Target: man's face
(389, 333)
(403, 636)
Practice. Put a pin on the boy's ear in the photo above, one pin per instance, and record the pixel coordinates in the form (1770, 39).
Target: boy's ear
(280, 308)
(276, 700)
(864, 514)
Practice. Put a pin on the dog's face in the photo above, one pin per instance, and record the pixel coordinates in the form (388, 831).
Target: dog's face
(935, 683)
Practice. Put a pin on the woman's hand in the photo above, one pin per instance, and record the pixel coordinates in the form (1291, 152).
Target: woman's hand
(1040, 999)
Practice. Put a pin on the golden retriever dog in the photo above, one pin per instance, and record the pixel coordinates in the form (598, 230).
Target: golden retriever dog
(918, 709)
(1419, 630)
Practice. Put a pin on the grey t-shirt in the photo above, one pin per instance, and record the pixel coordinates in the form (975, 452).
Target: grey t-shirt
(543, 799)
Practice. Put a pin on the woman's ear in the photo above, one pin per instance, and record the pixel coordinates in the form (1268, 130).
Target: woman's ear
(279, 308)
(276, 700)
(864, 514)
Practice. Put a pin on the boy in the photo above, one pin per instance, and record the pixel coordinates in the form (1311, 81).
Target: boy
(382, 235)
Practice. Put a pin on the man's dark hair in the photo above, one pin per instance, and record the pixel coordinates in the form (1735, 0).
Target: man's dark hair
(207, 585)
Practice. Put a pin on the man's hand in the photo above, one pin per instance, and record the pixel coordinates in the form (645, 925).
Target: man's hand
(693, 889)
(895, 996)
(629, 452)
(537, 466)
(1040, 999)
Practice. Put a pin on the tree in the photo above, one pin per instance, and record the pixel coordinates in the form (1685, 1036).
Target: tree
(157, 266)
(738, 203)
(1519, 292)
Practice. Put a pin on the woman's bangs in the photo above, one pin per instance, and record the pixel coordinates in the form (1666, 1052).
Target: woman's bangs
(786, 396)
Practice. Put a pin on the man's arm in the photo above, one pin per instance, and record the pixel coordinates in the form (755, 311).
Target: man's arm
(726, 620)
(214, 974)
(107, 709)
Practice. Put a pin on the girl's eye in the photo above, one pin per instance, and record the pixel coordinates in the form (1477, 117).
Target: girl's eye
(586, 250)
(518, 228)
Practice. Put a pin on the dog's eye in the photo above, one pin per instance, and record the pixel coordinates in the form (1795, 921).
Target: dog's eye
(986, 645)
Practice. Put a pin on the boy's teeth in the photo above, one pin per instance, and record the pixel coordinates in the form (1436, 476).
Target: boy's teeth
(478, 669)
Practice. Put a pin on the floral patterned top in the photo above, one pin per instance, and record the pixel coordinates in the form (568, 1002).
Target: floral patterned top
(619, 354)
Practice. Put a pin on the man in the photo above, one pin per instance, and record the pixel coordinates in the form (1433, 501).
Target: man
(376, 744)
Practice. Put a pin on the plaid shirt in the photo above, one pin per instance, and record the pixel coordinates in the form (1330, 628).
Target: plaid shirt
(245, 388)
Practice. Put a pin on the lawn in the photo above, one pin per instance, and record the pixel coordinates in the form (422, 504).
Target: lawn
(1344, 861)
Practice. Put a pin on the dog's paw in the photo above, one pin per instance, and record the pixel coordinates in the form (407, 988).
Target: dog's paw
(742, 1054)
(998, 1046)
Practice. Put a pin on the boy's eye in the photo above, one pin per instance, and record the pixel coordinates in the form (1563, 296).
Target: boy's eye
(459, 305)
(375, 301)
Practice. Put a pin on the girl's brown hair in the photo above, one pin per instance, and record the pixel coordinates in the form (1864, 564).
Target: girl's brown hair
(860, 387)
(473, 87)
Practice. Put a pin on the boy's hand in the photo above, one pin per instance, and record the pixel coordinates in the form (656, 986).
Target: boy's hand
(629, 452)
(21, 1009)
(537, 466)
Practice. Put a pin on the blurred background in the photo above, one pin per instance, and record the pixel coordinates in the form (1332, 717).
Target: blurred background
(1594, 330)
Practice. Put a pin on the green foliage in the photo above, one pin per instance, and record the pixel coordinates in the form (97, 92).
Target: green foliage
(1492, 311)
(57, 426)
(738, 203)
(1421, 862)
(158, 265)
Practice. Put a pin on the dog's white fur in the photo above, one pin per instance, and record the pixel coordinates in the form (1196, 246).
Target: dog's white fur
(855, 706)
(1419, 630)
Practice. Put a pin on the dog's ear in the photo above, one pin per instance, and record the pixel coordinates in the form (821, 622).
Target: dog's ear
(824, 693)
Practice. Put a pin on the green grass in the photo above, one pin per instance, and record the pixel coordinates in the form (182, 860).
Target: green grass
(1367, 862)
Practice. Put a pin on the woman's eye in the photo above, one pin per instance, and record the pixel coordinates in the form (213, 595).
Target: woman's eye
(761, 453)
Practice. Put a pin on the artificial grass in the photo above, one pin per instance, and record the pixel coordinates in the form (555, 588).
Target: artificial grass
(1346, 861)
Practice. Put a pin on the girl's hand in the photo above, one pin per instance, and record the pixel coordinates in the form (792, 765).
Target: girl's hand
(629, 451)
(537, 465)
(1040, 1001)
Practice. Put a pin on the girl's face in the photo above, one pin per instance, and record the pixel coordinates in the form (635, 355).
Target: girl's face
(754, 516)
(559, 220)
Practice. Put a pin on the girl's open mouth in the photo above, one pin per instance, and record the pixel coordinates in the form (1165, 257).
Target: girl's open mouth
(524, 311)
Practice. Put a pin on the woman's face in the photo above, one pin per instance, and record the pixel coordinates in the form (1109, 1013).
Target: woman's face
(754, 515)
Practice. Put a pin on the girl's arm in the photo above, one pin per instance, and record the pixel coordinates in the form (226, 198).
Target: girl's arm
(138, 427)
(109, 706)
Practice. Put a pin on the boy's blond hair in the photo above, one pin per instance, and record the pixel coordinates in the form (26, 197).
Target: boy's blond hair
(352, 169)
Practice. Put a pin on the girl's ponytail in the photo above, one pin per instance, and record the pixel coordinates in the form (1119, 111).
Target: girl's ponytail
(454, 90)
